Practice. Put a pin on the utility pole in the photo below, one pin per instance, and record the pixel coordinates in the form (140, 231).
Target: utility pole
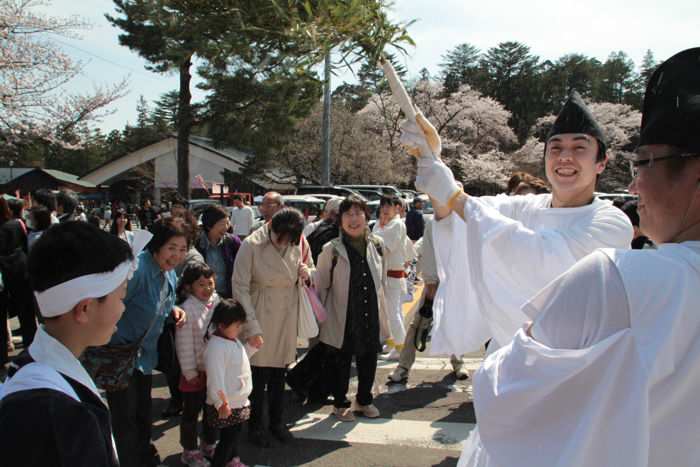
(326, 143)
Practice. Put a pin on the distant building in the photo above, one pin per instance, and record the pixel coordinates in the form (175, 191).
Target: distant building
(207, 166)
(26, 180)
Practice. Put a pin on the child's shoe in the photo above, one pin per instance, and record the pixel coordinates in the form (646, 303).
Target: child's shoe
(208, 450)
(194, 458)
(236, 462)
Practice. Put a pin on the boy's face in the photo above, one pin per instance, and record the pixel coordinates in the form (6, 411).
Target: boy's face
(572, 167)
(104, 314)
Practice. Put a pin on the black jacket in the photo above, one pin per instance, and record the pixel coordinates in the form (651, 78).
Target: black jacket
(47, 428)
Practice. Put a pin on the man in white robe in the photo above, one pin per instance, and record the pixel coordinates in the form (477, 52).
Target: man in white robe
(494, 252)
(608, 374)
(392, 230)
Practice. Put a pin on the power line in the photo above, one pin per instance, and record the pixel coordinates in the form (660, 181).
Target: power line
(106, 60)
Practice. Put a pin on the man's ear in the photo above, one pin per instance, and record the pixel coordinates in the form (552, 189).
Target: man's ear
(600, 165)
(81, 309)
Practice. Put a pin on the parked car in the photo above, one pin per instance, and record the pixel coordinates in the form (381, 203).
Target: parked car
(328, 190)
(617, 197)
(197, 206)
(309, 205)
(384, 189)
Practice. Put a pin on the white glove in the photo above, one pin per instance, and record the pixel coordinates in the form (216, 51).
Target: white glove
(435, 179)
(421, 138)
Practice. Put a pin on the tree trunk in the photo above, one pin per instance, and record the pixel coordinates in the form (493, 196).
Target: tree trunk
(184, 126)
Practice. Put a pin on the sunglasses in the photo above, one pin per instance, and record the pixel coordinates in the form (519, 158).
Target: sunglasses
(635, 164)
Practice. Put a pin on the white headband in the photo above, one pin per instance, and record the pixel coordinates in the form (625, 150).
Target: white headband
(61, 298)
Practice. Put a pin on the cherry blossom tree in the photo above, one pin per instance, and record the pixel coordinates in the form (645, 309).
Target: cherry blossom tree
(360, 152)
(33, 74)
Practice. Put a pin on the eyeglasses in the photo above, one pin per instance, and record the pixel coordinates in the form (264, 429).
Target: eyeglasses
(635, 164)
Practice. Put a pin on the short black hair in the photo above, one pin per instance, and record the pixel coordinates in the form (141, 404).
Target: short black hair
(16, 206)
(630, 208)
(163, 230)
(74, 249)
(45, 197)
(178, 199)
(354, 201)
(41, 217)
(236, 198)
(226, 312)
(67, 200)
(391, 200)
(289, 223)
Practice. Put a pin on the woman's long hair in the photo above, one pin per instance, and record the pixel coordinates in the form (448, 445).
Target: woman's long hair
(119, 213)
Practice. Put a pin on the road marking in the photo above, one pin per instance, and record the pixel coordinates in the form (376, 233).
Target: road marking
(384, 431)
(431, 363)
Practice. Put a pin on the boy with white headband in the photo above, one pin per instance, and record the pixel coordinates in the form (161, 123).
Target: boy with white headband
(51, 413)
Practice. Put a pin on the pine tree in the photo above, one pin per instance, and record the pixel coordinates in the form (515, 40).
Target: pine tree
(460, 66)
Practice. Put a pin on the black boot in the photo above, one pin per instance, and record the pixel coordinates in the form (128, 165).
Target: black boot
(282, 433)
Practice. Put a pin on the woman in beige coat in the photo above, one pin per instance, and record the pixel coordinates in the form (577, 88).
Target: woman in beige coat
(265, 282)
(350, 279)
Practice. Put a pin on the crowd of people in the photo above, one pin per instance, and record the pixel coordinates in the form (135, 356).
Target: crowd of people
(592, 348)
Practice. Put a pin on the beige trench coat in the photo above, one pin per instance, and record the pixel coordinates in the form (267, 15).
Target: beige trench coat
(265, 284)
(334, 291)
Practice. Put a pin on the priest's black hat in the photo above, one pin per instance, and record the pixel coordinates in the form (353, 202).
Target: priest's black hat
(575, 117)
(671, 111)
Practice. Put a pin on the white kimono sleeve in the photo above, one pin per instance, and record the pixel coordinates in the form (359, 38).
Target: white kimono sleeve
(576, 395)
(499, 263)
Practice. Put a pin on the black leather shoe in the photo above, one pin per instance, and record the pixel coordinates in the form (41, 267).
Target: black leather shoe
(259, 438)
(174, 409)
(282, 434)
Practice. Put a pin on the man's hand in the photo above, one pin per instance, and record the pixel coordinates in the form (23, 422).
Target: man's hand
(421, 138)
(180, 316)
(256, 341)
(435, 179)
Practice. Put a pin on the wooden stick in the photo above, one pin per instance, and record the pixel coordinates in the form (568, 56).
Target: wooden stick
(398, 90)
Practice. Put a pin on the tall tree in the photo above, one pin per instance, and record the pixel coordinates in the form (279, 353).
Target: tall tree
(509, 69)
(234, 34)
(34, 105)
(164, 114)
(617, 78)
(460, 66)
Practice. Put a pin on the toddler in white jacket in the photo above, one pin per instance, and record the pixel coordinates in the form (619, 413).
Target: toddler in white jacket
(229, 380)
(197, 296)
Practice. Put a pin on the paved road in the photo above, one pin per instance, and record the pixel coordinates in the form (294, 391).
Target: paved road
(422, 424)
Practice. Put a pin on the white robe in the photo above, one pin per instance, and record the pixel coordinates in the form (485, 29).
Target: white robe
(508, 249)
(612, 375)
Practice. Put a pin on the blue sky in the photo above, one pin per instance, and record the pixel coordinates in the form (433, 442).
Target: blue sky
(550, 27)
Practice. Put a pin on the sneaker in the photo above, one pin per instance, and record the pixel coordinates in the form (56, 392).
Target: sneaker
(344, 414)
(282, 433)
(208, 449)
(394, 355)
(399, 375)
(369, 411)
(236, 462)
(461, 374)
(194, 458)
